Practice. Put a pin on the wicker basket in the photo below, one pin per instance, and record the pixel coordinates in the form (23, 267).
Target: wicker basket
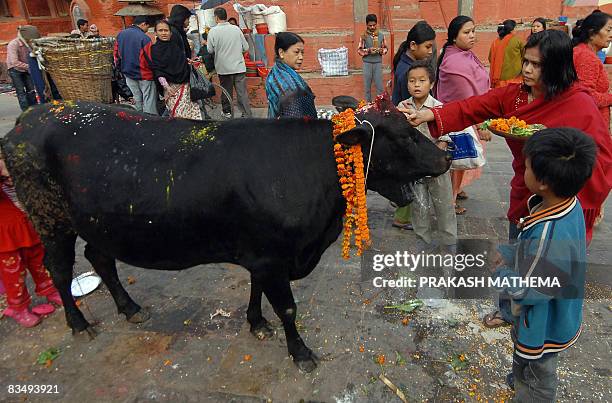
(81, 68)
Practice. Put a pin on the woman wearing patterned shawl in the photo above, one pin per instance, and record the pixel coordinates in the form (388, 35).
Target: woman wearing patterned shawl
(288, 94)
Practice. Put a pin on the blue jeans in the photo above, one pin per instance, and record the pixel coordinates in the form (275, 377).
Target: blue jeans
(24, 88)
(145, 95)
(535, 380)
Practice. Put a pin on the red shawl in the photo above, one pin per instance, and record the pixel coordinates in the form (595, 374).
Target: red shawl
(574, 108)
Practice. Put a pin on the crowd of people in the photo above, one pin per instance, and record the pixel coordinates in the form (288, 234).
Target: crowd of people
(562, 174)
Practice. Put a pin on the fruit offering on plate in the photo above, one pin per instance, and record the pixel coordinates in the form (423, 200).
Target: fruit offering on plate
(512, 126)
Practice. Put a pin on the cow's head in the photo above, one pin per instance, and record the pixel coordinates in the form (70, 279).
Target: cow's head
(400, 155)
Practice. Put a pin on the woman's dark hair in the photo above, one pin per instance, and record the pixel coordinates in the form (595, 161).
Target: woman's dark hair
(590, 26)
(371, 18)
(285, 40)
(178, 15)
(557, 60)
(541, 21)
(453, 32)
(562, 158)
(419, 33)
(423, 64)
(505, 28)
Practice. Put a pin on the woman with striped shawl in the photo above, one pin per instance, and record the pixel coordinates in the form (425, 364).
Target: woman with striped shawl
(288, 94)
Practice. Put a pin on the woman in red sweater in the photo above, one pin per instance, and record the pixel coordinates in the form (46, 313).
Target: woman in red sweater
(549, 95)
(21, 249)
(593, 35)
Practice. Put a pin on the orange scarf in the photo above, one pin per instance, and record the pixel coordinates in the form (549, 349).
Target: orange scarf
(498, 48)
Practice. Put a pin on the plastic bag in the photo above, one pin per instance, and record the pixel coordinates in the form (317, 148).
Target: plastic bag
(334, 62)
(466, 150)
(199, 86)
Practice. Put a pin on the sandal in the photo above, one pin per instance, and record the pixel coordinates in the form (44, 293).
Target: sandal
(406, 226)
(460, 210)
(462, 196)
(494, 320)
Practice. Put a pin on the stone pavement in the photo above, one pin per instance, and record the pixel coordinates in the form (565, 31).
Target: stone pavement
(183, 354)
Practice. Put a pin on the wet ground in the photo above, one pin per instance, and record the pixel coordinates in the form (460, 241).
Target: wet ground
(438, 353)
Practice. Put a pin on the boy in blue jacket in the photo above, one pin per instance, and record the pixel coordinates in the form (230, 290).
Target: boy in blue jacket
(542, 275)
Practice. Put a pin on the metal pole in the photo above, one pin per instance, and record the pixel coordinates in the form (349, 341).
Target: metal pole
(466, 7)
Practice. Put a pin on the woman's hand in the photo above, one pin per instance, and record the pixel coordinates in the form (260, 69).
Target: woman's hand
(484, 134)
(169, 94)
(415, 117)
(442, 145)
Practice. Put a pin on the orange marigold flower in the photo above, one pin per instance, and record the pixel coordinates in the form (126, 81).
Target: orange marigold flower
(349, 161)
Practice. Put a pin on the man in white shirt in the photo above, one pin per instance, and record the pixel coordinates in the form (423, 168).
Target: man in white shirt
(226, 42)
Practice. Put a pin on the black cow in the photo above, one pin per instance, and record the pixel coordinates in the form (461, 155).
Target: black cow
(171, 194)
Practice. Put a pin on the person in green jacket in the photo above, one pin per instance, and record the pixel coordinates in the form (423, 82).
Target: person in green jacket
(506, 56)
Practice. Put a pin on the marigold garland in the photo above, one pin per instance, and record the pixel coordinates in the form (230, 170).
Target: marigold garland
(349, 161)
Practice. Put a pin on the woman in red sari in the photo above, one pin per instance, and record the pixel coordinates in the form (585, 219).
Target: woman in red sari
(550, 95)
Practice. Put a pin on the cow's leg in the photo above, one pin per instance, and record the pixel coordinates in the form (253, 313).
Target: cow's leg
(278, 292)
(59, 260)
(260, 327)
(106, 268)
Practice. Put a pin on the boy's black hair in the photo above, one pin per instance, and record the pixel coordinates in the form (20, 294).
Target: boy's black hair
(81, 22)
(562, 158)
(371, 18)
(423, 64)
(141, 19)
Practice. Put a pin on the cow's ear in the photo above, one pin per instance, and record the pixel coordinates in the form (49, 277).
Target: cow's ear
(357, 135)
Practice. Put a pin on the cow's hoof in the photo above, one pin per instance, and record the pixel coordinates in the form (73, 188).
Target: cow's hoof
(86, 335)
(262, 330)
(141, 316)
(307, 362)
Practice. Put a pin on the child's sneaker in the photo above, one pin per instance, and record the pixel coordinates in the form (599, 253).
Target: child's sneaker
(24, 317)
(55, 298)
